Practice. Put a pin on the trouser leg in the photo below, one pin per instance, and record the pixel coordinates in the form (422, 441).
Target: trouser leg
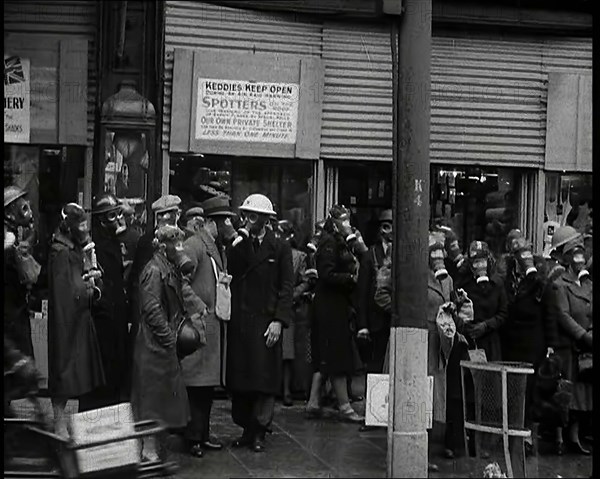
(200, 400)
(241, 410)
(263, 411)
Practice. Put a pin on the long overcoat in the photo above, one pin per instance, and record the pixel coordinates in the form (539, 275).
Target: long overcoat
(574, 301)
(438, 293)
(490, 308)
(261, 291)
(334, 307)
(531, 323)
(158, 390)
(74, 357)
(110, 313)
(205, 366)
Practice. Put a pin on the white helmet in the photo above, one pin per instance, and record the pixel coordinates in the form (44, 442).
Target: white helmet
(259, 204)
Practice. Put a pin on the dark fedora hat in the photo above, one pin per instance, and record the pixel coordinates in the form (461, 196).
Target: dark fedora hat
(217, 206)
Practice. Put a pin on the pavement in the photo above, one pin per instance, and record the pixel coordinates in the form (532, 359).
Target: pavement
(299, 447)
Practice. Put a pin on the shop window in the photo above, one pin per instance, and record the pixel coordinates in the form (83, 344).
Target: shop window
(478, 203)
(52, 177)
(568, 201)
(365, 188)
(288, 184)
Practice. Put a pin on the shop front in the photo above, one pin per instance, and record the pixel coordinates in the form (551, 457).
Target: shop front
(49, 105)
(489, 106)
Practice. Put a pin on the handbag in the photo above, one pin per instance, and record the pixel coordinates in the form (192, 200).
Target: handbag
(585, 366)
(222, 293)
(189, 338)
(477, 355)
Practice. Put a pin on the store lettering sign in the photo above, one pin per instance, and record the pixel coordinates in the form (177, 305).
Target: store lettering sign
(237, 110)
(16, 100)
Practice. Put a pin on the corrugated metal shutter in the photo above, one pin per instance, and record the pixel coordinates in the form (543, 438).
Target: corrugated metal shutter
(489, 96)
(357, 101)
(198, 25)
(74, 18)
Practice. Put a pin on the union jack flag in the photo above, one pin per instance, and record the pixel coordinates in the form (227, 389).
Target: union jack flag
(13, 71)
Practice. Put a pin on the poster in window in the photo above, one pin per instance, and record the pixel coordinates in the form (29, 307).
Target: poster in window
(238, 110)
(17, 123)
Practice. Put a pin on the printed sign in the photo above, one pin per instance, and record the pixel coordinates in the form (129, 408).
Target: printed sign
(16, 100)
(113, 422)
(377, 403)
(237, 110)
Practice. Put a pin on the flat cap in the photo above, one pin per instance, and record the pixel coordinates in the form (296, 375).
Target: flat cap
(194, 212)
(166, 203)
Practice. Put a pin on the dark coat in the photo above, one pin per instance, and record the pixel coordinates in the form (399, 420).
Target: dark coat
(16, 312)
(370, 315)
(110, 312)
(74, 357)
(531, 323)
(261, 292)
(490, 308)
(575, 318)
(158, 390)
(332, 335)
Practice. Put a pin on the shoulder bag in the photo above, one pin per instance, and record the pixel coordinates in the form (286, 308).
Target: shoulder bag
(223, 293)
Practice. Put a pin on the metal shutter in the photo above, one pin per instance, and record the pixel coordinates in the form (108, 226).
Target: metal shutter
(199, 25)
(357, 101)
(76, 18)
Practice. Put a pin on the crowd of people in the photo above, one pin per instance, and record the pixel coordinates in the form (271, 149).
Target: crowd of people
(211, 298)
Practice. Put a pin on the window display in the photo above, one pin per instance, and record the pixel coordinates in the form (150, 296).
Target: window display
(288, 184)
(568, 201)
(477, 203)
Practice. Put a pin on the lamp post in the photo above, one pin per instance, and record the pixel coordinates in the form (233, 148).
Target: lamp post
(127, 147)
(407, 423)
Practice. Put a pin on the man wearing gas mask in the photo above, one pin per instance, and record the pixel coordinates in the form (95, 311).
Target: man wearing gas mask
(110, 311)
(488, 294)
(373, 322)
(530, 332)
(21, 270)
(74, 359)
(203, 370)
(574, 290)
(261, 305)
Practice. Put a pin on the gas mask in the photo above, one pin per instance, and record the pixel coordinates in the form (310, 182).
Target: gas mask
(80, 232)
(479, 267)
(343, 226)
(114, 222)
(437, 264)
(577, 263)
(176, 255)
(226, 229)
(19, 213)
(255, 222)
(313, 244)
(525, 263)
(386, 231)
(454, 253)
(168, 218)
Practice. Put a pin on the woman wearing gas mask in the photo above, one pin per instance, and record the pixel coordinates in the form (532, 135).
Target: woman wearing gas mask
(74, 358)
(110, 311)
(574, 290)
(488, 294)
(332, 336)
(158, 389)
(530, 332)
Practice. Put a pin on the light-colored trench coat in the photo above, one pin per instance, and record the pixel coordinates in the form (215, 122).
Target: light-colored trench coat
(438, 293)
(205, 367)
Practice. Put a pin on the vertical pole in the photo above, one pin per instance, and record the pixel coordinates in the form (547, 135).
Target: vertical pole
(411, 56)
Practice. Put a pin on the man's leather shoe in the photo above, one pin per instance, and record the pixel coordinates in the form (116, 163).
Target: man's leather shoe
(212, 444)
(258, 445)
